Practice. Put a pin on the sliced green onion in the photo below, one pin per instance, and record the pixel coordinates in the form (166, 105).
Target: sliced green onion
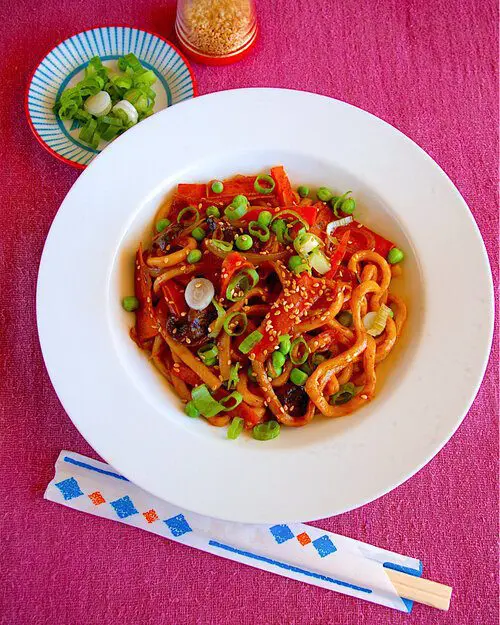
(345, 393)
(235, 428)
(191, 212)
(198, 234)
(279, 228)
(317, 359)
(288, 213)
(235, 323)
(240, 284)
(213, 211)
(130, 303)
(98, 104)
(324, 194)
(191, 410)
(250, 342)
(199, 293)
(299, 351)
(266, 431)
(122, 81)
(233, 213)
(337, 202)
(345, 318)
(303, 191)
(278, 360)
(234, 378)
(298, 377)
(217, 186)
(297, 264)
(144, 78)
(128, 109)
(223, 246)
(162, 224)
(244, 242)
(194, 256)
(208, 354)
(264, 178)
(217, 326)
(285, 344)
(129, 60)
(231, 401)
(258, 230)
(395, 256)
(375, 322)
(305, 243)
(204, 402)
(319, 261)
(265, 218)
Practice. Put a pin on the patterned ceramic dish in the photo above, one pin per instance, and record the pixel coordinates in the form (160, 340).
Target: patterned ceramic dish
(64, 66)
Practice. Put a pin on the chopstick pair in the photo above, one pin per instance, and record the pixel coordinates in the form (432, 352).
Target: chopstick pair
(296, 550)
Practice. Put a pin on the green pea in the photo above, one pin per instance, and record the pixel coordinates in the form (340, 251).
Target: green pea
(298, 377)
(264, 218)
(285, 344)
(345, 318)
(213, 211)
(130, 303)
(324, 194)
(193, 257)
(162, 224)
(303, 191)
(277, 372)
(217, 186)
(191, 410)
(348, 206)
(198, 234)
(278, 360)
(244, 242)
(395, 256)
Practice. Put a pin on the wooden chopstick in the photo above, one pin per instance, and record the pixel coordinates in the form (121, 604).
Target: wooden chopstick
(421, 590)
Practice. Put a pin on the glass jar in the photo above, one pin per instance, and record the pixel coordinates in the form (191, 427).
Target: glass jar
(216, 32)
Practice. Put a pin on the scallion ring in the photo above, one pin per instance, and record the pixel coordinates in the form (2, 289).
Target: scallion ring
(264, 178)
(234, 377)
(186, 212)
(231, 401)
(299, 351)
(208, 354)
(243, 282)
(258, 230)
(250, 341)
(204, 402)
(345, 393)
(235, 428)
(235, 323)
(266, 431)
(223, 246)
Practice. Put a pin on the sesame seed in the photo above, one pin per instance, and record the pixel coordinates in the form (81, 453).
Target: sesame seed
(364, 396)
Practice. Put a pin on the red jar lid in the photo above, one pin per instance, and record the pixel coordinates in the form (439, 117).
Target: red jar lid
(208, 59)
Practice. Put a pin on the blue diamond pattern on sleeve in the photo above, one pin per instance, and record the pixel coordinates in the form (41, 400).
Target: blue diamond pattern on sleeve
(124, 507)
(281, 533)
(69, 488)
(324, 546)
(178, 525)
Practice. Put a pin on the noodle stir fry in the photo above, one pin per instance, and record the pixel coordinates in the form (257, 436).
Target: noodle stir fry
(264, 307)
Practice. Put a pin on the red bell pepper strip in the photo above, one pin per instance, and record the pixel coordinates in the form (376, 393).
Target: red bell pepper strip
(186, 374)
(338, 256)
(239, 185)
(363, 238)
(193, 192)
(145, 321)
(286, 312)
(308, 213)
(174, 298)
(233, 264)
(283, 190)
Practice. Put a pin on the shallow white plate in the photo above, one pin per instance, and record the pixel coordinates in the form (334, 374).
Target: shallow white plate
(121, 405)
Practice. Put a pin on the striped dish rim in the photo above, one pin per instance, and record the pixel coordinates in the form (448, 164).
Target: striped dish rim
(56, 45)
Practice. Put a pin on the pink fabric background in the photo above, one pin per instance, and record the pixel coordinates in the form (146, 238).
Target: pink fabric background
(427, 67)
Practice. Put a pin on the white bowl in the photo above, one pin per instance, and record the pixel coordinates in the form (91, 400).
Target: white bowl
(125, 410)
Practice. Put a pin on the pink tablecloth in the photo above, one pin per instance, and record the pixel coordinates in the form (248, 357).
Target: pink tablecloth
(429, 68)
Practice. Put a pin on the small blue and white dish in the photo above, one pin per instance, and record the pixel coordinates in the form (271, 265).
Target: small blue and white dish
(64, 66)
